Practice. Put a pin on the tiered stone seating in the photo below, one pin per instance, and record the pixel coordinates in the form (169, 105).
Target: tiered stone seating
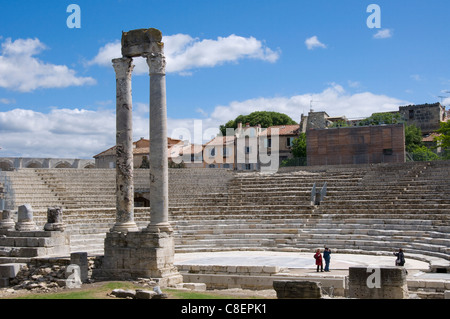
(368, 208)
(394, 206)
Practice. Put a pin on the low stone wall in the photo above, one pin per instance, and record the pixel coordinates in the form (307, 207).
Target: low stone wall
(254, 278)
(378, 283)
(295, 289)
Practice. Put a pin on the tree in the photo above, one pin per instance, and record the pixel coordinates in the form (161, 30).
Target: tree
(299, 146)
(265, 118)
(382, 118)
(444, 138)
(299, 152)
(422, 153)
(413, 138)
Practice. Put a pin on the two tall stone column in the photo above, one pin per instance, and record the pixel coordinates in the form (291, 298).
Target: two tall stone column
(130, 253)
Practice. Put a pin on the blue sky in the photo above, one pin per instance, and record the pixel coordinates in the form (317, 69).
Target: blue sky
(224, 58)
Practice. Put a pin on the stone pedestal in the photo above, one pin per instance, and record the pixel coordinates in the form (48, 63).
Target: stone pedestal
(81, 260)
(7, 222)
(367, 282)
(141, 254)
(25, 220)
(54, 219)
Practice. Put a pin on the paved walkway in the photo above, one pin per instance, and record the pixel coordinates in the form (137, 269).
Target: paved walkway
(303, 263)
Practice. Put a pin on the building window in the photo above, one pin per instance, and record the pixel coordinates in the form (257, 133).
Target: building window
(226, 153)
(212, 153)
(247, 150)
(212, 166)
(289, 141)
(411, 114)
(268, 142)
(388, 151)
(248, 167)
(226, 165)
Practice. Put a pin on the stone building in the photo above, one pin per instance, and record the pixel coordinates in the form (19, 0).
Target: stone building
(286, 135)
(356, 145)
(427, 117)
(141, 149)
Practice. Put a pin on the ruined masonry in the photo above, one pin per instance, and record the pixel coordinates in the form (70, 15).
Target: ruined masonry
(130, 253)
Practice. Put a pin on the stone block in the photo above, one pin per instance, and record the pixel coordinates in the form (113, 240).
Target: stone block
(144, 294)
(141, 42)
(447, 294)
(377, 283)
(10, 270)
(195, 286)
(287, 289)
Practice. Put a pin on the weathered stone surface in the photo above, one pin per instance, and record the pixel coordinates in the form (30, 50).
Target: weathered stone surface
(54, 219)
(7, 222)
(145, 294)
(378, 283)
(121, 293)
(25, 220)
(287, 289)
(141, 42)
(81, 259)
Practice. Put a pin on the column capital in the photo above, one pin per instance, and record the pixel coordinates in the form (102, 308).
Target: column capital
(156, 63)
(123, 67)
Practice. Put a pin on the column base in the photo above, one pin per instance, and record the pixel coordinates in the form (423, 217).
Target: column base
(159, 228)
(124, 227)
(142, 254)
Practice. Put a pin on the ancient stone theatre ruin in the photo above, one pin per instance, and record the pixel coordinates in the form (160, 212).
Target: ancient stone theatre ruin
(130, 252)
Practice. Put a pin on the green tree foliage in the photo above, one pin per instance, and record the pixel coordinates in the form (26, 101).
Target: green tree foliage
(444, 138)
(382, 118)
(299, 146)
(265, 118)
(299, 152)
(422, 153)
(413, 138)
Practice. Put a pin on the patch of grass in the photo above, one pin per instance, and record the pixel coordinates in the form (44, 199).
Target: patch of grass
(91, 292)
(182, 294)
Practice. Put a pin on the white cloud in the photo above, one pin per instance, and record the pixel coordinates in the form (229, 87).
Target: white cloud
(313, 43)
(416, 77)
(21, 71)
(383, 34)
(185, 53)
(7, 101)
(82, 133)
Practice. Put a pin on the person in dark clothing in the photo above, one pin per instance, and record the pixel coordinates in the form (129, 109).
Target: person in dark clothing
(326, 257)
(400, 261)
(318, 258)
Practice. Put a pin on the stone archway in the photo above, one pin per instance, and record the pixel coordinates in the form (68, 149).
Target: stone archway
(34, 164)
(6, 165)
(63, 164)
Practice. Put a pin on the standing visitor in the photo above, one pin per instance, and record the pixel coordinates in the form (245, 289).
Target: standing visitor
(318, 258)
(326, 257)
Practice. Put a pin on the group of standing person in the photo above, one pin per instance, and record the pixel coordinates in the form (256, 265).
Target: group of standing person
(326, 257)
(400, 261)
